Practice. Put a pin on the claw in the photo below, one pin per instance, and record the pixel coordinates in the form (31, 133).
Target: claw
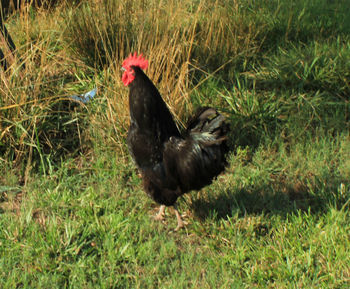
(180, 223)
(160, 215)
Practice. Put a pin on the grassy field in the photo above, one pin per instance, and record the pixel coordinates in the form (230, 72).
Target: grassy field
(72, 210)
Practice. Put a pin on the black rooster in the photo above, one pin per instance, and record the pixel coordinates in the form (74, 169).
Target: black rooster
(170, 163)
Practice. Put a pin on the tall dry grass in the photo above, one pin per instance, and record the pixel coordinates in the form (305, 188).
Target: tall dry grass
(35, 122)
(185, 42)
(70, 49)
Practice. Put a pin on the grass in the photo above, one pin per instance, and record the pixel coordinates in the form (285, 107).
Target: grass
(72, 210)
(259, 225)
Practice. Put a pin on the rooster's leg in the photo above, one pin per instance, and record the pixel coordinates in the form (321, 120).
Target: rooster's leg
(160, 215)
(180, 223)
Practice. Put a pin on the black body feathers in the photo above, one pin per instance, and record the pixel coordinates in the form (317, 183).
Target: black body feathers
(171, 163)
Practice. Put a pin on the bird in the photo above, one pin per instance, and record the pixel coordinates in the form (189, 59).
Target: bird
(171, 163)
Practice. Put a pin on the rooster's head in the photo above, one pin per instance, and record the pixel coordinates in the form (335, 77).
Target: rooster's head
(132, 60)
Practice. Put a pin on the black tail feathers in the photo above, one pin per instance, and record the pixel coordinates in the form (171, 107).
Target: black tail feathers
(208, 126)
(201, 155)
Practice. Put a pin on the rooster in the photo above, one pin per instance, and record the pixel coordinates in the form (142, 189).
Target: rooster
(171, 163)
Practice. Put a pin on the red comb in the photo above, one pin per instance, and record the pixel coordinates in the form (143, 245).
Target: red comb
(134, 60)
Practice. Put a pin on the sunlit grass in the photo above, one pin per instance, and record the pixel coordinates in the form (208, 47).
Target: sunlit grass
(265, 223)
(72, 210)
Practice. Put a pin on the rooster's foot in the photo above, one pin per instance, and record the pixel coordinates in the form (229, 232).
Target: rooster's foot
(180, 222)
(160, 215)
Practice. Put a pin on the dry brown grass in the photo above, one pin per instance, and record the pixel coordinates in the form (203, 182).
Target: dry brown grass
(33, 84)
(174, 35)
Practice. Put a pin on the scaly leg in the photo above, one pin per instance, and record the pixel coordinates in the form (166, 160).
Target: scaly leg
(160, 215)
(180, 223)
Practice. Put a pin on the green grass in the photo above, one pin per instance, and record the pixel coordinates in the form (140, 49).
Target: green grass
(72, 210)
(270, 222)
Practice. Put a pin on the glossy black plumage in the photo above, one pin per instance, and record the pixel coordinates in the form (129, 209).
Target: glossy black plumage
(171, 163)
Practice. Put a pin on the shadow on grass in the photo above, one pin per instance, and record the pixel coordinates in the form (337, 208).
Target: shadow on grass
(276, 198)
